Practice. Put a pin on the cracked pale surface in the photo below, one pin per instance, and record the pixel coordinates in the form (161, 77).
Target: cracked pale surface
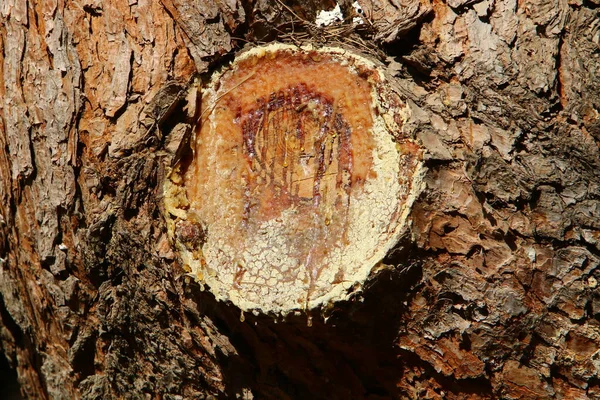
(296, 253)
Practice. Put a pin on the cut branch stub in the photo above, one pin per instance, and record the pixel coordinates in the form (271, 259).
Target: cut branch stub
(300, 179)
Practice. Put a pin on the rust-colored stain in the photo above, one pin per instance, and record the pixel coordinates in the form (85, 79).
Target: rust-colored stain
(284, 157)
(297, 127)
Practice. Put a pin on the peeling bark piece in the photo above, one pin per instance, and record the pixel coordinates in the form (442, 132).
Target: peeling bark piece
(117, 95)
(206, 26)
(300, 180)
(393, 19)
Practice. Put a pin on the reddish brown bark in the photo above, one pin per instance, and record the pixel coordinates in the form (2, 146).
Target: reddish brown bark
(494, 294)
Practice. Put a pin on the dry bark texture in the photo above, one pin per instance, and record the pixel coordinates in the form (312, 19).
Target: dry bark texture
(494, 295)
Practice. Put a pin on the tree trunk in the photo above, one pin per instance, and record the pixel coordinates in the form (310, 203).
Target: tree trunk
(493, 294)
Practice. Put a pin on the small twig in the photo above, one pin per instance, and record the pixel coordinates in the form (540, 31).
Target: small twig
(223, 95)
(294, 14)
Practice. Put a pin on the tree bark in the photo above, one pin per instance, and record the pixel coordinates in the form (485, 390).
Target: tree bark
(494, 294)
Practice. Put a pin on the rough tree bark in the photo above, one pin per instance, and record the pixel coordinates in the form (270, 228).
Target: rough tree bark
(494, 294)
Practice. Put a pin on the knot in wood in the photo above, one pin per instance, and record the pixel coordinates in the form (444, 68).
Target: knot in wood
(300, 176)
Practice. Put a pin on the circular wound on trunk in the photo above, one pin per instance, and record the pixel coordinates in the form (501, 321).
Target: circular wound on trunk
(299, 182)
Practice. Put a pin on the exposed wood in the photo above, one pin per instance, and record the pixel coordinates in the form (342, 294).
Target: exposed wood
(298, 181)
(493, 294)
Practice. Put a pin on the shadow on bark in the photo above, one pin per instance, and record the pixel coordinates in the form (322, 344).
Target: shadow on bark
(348, 351)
